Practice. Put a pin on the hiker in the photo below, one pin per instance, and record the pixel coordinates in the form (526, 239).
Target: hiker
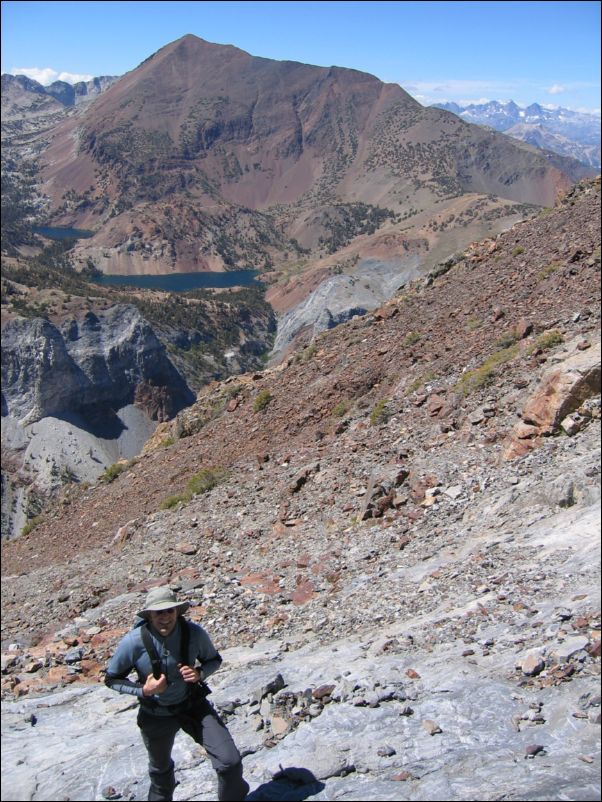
(173, 657)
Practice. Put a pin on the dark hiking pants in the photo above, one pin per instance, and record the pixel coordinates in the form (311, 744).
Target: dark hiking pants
(203, 724)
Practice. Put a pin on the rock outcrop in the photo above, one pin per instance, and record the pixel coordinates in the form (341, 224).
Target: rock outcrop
(76, 399)
(560, 400)
(97, 362)
(339, 298)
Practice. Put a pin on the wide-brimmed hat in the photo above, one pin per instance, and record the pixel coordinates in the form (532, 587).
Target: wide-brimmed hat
(162, 599)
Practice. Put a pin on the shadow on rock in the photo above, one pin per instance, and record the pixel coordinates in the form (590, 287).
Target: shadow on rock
(288, 785)
(98, 421)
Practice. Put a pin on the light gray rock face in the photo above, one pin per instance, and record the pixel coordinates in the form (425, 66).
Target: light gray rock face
(67, 402)
(100, 361)
(339, 298)
(45, 454)
(469, 734)
(38, 375)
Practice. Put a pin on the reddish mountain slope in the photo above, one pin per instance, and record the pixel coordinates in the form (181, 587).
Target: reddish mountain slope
(205, 157)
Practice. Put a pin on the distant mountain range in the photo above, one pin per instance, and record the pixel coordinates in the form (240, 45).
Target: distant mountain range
(569, 133)
(19, 88)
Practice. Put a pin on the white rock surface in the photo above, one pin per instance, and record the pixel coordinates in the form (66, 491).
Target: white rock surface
(338, 298)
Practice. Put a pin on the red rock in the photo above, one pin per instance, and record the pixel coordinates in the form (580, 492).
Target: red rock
(263, 582)
(525, 431)
(563, 389)
(303, 593)
(253, 579)
(61, 674)
(109, 636)
(402, 776)
(279, 528)
(280, 618)
(434, 405)
(91, 668)
(322, 691)
(532, 665)
(417, 489)
(186, 548)
(516, 446)
(523, 328)
(190, 572)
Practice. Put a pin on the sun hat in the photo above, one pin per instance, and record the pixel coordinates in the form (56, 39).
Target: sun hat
(162, 598)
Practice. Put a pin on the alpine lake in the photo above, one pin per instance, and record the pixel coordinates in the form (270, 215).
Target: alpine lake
(168, 282)
(182, 282)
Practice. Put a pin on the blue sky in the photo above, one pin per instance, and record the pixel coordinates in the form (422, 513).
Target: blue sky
(544, 52)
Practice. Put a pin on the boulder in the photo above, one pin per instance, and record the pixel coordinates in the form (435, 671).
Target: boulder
(563, 389)
(560, 393)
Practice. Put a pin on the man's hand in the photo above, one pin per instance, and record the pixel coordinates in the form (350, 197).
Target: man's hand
(153, 686)
(189, 674)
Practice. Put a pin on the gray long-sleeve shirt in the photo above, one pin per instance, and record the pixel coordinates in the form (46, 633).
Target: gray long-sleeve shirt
(131, 655)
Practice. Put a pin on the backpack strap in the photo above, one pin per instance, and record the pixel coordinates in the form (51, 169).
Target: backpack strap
(152, 652)
(184, 641)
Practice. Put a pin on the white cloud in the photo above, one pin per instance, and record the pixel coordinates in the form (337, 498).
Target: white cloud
(464, 93)
(74, 77)
(47, 75)
(557, 89)
(458, 88)
(477, 101)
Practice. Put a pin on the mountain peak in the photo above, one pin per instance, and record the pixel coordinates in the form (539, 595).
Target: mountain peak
(25, 83)
(534, 108)
(190, 46)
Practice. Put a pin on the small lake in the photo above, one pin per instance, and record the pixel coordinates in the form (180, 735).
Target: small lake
(62, 233)
(182, 282)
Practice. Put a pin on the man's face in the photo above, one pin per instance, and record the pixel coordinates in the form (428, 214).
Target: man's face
(164, 621)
